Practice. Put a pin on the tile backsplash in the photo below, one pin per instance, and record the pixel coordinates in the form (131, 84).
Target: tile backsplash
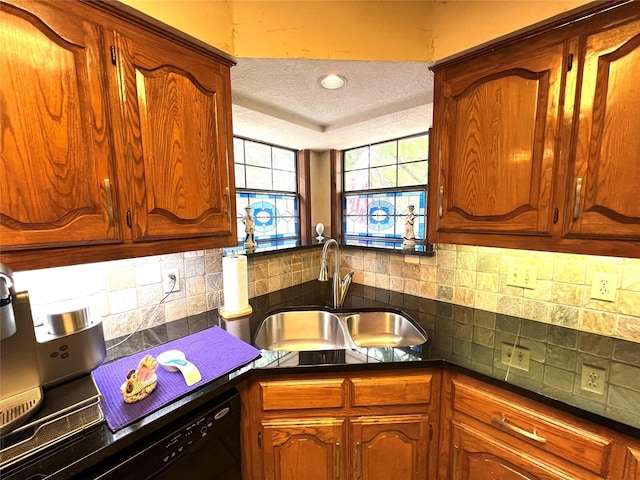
(125, 293)
(477, 277)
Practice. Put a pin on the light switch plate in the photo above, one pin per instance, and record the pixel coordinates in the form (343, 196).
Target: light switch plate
(519, 275)
(603, 286)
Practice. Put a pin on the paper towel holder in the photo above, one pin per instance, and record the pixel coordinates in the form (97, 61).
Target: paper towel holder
(224, 313)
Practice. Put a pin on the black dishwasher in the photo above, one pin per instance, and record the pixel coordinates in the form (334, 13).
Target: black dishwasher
(201, 446)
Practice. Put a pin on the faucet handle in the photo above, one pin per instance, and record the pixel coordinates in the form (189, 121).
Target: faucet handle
(323, 276)
(344, 288)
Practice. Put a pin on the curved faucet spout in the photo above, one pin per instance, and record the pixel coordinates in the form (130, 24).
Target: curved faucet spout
(340, 287)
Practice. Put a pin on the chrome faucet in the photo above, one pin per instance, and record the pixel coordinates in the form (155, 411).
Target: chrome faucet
(340, 287)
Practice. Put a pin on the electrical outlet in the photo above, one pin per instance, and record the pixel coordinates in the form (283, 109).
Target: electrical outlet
(517, 357)
(593, 379)
(167, 281)
(522, 275)
(604, 286)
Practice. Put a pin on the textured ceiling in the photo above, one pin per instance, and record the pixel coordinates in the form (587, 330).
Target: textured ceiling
(280, 101)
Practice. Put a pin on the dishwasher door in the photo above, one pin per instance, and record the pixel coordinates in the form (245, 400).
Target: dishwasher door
(202, 446)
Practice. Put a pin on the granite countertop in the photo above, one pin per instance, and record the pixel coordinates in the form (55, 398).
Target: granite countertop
(462, 338)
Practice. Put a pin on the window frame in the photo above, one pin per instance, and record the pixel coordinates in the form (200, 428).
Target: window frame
(301, 159)
(338, 195)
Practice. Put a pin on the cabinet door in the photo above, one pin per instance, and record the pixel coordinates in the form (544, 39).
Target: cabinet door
(604, 199)
(632, 464)
(391, 447)
(479, 456)
(495, 141)
(177, 140)
(55, 169)
(310, 449)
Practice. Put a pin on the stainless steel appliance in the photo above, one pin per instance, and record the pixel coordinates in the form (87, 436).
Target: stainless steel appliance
(70, 344)
(21, 393)
(66, 412)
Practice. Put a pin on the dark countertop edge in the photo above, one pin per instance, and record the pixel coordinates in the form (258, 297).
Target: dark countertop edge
(102, 444)
(167, 415)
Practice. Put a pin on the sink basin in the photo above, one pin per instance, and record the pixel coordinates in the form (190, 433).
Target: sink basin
(383, 329)
(310, 330)
(295, 331)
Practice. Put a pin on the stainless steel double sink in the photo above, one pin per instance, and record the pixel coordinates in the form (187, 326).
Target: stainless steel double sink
(308, 330)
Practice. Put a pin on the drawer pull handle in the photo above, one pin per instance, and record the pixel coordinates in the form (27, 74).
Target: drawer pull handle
(440, 199)
(576, 206)
(107, 191)
(503, 422)
(358, 459)
(337, 459)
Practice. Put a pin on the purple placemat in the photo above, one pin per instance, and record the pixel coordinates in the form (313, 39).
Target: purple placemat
(213, 351)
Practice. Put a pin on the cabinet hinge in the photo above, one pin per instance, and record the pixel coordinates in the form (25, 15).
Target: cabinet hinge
(430, 432)
(129, 222)
(113, 54)
(570, 62)
(555, 215)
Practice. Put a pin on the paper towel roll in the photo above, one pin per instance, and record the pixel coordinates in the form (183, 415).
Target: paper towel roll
(235, 284)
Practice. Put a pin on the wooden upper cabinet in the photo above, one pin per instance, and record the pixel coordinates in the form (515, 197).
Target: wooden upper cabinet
(116, 136)
(535, 142)
(56, 163)
(496, 125)
(605, 185)
(176, 138)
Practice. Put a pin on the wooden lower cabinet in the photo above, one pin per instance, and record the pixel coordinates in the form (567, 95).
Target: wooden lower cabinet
(489, 433)
(425, 425)
(380, 448)
(304, 448)
(338, 429)
(632, 464)
(479, 456)
(390, 447)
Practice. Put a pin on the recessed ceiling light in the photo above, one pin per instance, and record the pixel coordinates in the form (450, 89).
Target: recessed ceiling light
(332, 82)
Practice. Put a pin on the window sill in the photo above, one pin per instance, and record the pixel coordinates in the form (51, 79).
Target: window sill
(295, 244)
(388, 246)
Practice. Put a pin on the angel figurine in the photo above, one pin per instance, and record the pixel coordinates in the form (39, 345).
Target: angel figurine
(249, 228)
(409, 235)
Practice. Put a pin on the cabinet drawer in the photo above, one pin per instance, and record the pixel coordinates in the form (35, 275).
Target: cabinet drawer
(396, 390)
(302, 394)
(549, 432)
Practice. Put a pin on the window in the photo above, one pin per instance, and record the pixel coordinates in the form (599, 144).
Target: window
(380, 182)
(266, 180)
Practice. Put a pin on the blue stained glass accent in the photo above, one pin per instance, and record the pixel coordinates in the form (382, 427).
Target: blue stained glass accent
(381, 214)
(270, 222)
(265, 215)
